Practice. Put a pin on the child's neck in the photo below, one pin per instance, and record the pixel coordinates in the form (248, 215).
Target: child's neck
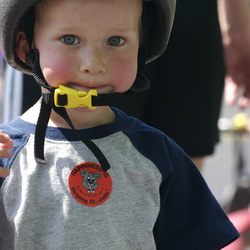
(83, 120)
(80, 120)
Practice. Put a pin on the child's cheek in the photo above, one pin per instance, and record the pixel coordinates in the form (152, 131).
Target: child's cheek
(56, 74)
(124, 75)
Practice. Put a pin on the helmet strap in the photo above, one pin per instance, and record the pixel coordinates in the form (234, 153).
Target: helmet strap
(40, 132)
(32, 59)
(44, 115)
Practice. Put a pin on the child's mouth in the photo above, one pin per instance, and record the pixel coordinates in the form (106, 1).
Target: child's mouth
(87, 87)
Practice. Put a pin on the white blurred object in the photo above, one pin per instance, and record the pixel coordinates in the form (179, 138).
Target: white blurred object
(13, 94)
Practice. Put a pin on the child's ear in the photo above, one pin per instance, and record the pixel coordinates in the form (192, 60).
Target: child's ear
(22, 46)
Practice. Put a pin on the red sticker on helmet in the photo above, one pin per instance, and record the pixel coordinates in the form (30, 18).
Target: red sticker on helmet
(89, 184)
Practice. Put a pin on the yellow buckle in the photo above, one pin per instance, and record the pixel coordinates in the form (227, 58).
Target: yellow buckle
(75, 98)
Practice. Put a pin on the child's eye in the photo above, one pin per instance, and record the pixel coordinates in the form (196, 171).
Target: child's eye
(115, 41)
(70, 40)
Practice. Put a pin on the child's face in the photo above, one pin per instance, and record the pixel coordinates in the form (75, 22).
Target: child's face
(86, 44)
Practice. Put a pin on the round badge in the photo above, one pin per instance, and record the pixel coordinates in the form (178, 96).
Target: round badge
(89, 184)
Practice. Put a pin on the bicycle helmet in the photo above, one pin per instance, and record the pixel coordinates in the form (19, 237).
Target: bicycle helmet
(12, 13)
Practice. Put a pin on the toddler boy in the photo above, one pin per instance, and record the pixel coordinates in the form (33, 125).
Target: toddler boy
(96, 178)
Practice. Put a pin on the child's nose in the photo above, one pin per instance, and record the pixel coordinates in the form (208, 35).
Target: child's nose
(92, 62)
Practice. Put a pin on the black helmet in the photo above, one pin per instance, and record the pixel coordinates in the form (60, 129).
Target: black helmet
(12, 13)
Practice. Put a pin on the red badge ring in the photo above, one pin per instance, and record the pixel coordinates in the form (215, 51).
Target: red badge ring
(89, 184)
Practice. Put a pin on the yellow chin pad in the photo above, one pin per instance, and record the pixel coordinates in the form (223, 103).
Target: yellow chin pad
(71, 98)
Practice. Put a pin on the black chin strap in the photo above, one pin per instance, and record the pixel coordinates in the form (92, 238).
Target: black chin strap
(32, 59)
(41, 131)
(44, 115)
(48, 104)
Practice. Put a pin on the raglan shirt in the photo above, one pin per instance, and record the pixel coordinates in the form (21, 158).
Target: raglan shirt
(152, 197)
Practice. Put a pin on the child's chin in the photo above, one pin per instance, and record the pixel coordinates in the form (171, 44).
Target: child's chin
(86, 109)
(83, 109)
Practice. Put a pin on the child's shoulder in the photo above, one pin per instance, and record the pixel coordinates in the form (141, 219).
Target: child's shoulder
(151, 142)
(17, 127)
(134, 125)
(138, 130)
